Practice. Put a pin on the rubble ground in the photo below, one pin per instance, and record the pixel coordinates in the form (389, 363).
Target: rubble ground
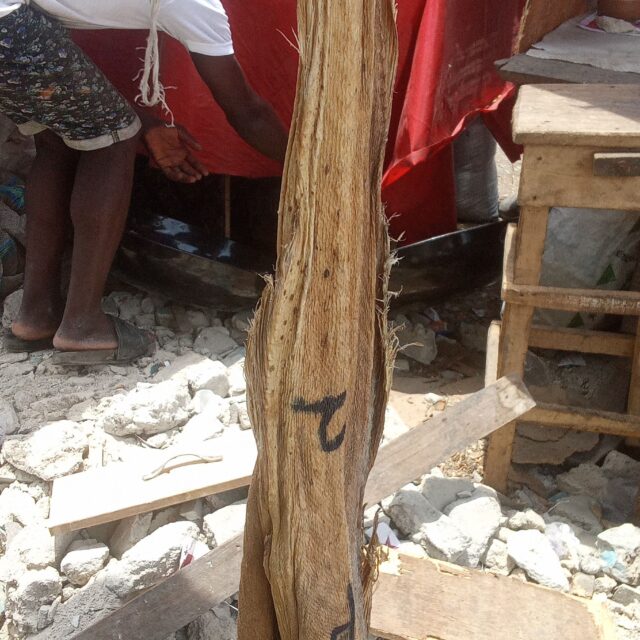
(565, 525)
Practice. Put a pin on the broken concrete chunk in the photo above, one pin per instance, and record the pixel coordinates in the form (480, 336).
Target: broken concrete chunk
(532, 551)
(83, 560)
(214, 341)
(479, 517)
(56, 450)
(146, 410)
(542, 445)
(33, 590)
(417, 342)
(528, 519)
(583, 585)
(218, 624)
(9, 423)
(620, 551)
(497, 559)
(225, 524)
(581, 510)
(152, 559)
(441, 492)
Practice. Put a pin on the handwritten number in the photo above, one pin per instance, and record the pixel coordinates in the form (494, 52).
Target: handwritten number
(326, 409)
(347, 631)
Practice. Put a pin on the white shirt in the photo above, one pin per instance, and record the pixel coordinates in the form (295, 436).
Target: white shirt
(201, 25)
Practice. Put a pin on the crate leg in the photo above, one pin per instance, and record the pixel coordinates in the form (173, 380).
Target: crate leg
(514, 335)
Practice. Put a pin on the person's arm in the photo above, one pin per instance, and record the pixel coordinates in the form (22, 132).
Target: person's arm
(252, 117)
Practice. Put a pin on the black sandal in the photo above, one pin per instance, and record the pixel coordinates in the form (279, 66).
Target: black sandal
(133, 343)
(17, 345)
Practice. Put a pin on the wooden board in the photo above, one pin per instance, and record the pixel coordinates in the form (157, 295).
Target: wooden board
(605, 422)
(524, 69)
(191, 592)
(582, 340)
(118, 491)
(429, 600)
(563, 176)
(573, 114)
(543, 16)
(412, 454)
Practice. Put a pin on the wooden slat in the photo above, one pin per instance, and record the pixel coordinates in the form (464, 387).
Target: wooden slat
(429, 600)
(605, 422)
(585, 300)
(524, 69)
(618, 165)
(561, 176)
(543, 16)
(415, 452)
(208, 581)
(582, 340)
(585, 115)
(118, 491)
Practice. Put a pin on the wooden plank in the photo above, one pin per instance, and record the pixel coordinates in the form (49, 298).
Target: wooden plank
(597, 115)
(119, 491)
(619, 165)
(563, 176)
(175, 602)
(524, 69)
(543, 16)
(412, 454)
(524, 247)
(428, 600)
(582, 340)
(184, 596)
(580, 419)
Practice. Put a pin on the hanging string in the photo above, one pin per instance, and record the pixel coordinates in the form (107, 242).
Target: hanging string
(152, 91)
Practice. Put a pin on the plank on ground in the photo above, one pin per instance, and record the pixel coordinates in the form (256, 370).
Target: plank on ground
(118, 491)
(183, 597)
(436, 600)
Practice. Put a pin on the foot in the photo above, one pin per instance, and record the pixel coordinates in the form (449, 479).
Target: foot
(37, 322)
(94, 333)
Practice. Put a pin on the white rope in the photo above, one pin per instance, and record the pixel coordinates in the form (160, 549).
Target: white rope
(152, 91)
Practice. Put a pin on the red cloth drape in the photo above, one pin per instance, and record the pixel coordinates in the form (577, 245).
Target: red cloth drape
(445, 74)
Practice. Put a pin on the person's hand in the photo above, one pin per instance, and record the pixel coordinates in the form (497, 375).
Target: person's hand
(171, 148)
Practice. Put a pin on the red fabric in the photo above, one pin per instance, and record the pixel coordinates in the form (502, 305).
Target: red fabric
(445, 74)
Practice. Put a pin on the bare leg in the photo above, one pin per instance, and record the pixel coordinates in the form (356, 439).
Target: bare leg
(99, 206)
(47, 206)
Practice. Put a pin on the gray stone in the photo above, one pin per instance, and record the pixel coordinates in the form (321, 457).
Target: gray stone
(415, 516)
(11, 308)
(620, 550)
(218, 624)
(619, 465)
(479, 517)
(586, 479)
(152, 559)
(604, 584)
(9, 423)
(199, 373)
(33, 590)
(56, 450)
(583, 585)
(237, 381)
(626, 595)
(32, 546)
(528, 519)
(18, 506)
(83, 560)
(201, 427)
(418, 343)
(146, 410)
(128, 533)
(497, 558)
(214, 341)
(441, 492)
(581, 510)
(532, 551)
(225, 524)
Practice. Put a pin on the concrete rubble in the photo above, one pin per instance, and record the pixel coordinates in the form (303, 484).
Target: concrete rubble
(559, 528)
